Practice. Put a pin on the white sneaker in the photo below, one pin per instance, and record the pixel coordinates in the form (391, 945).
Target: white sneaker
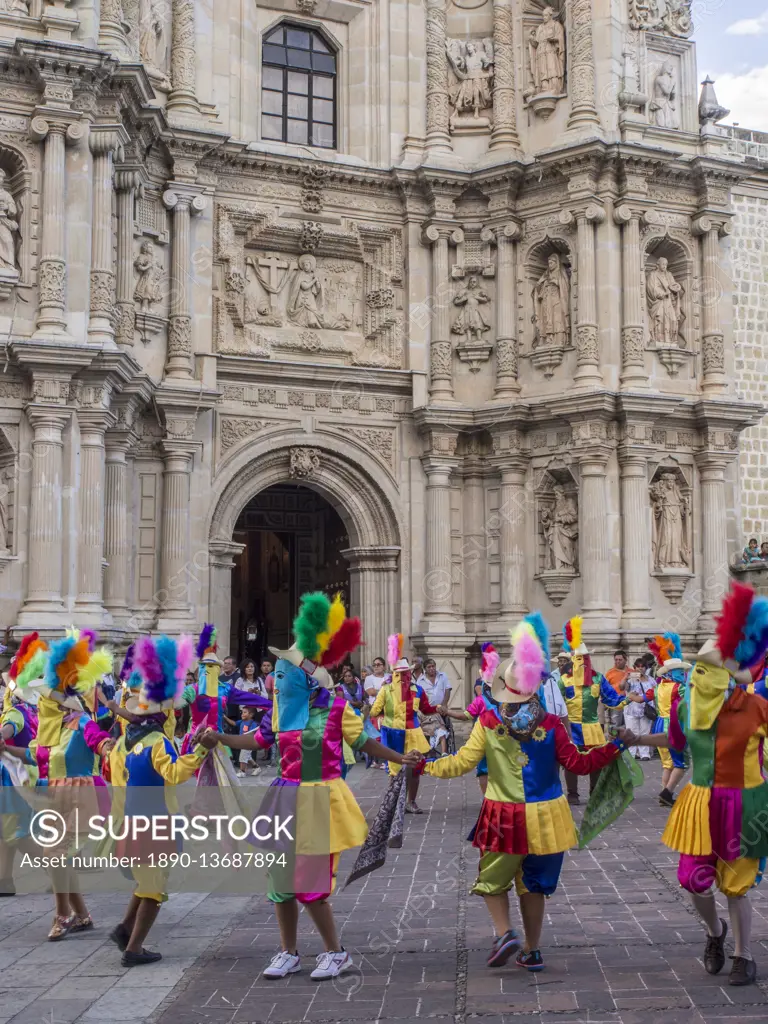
(256, 771)
(240, 774)
(283, 964)
(331, 965)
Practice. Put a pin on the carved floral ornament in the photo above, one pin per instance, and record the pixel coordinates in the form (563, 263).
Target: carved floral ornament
(304, 462)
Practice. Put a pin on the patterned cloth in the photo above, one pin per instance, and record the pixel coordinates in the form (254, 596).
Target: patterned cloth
(614, 792)
(386, 830)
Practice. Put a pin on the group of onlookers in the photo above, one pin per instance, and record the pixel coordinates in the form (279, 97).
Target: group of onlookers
(754, 552)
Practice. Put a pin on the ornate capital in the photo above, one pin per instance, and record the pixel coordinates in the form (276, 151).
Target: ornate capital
(104, 139)
(594, 213)
(184, 197)
(623, 215)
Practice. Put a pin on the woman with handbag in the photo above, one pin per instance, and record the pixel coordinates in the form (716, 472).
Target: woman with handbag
(637, 710)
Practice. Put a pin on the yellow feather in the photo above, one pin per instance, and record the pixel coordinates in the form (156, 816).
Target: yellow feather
(323, 642)
(100, 664)
(521, 628)
(336, 615)
(576, 623)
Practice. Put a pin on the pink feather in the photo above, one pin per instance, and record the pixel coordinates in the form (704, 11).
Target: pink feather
(394, 643)
(529, 664)
(186, 655)
(490, 663)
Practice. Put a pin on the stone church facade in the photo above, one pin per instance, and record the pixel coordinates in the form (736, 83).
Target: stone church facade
(484, 278)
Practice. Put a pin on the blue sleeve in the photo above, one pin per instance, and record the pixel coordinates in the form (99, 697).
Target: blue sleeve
(609, 696)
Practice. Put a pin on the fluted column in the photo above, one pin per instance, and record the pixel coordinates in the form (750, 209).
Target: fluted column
(45, 534)
(594, 556)
(126, 183)
(714, 530)
(476, 535)
(583, 116)
(116, 540)
(587, 349)
(52, 268)
(712, 342)
(221, 562)
(513, 503)
(176, 570)
(90, 533)
(373, 594)
(182, 202)
(633, 373)
(438, 578)
(104, 140)
(182, 100)
(504, 134)
(112, 35)
(635, 538)
(507, 383)
(438, 111)
(440, 347)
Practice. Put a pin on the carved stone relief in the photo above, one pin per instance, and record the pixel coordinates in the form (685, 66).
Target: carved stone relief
(670, 496)
(663, 106)
(672, 16)
(471, 91)
(546, 64)
(304, 462)
(551, 316)
(472, 324)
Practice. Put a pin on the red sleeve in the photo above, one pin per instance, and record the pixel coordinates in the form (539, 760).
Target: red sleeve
(424, 706)
(573, 760)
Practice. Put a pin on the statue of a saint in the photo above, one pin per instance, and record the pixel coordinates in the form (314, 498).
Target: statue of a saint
(546, 51)
(152, 45)
(671, 515)
(3, 513)
(663, 106)
(561, 531)
(664, 304)
(149, 287)
(472, 64)
(9, 229)
(551, 305)
(305, 298)
(471, 321)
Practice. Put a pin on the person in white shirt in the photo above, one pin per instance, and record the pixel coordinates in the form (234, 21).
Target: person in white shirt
(638, 683)
(372, 684)
(437, 687)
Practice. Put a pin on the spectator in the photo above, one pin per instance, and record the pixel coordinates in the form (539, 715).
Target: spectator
(617, 675)
(638, 684)
(418, 670)
(230, 674)
(562, 667)
(751, 552)
(437, 687)
(249, 680)
(267, 677)
(764, 551)
(248, 724)
(373, 683)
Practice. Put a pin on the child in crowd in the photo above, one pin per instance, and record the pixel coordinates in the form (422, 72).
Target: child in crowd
(248, 724)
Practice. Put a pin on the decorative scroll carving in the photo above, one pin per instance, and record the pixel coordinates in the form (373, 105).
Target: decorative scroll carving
(672, 16)
(713, 352)
(311, 188)
(51, 282)
(471, 64)
(102, 292)
(180, 336)
(582, 65)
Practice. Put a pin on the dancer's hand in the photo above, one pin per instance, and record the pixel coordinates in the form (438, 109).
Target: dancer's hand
(209, 739)
(413, 759)
(627, 737)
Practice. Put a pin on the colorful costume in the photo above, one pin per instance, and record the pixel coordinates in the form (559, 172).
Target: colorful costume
(484, 702)
(399, 704)
(584, 689)
(670, 683)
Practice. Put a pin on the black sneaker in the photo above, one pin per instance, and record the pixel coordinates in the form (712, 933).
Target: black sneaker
(573, 799)
(532, 961)
(666, 799)
(502, 949)
(146, 956)
(120, 936)
(743, 972)
(714, 954)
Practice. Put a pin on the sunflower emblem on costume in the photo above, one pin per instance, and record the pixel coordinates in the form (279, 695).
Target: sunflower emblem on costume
(521, 759)
(539, 734)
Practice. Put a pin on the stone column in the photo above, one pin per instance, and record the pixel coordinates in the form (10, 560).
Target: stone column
(712, 343)
(438, 579)
(116, 533)
(90, 534)
(438, 111)
(126, 183)
(583, 116)
(594, 554)
(507, 383)
(635, 539)
(104, 141)
(179, 362)
(374, 585)
(51, 317)
(45, 535)
(476, 539)
(587, 350)
(111, 34)
(504, 135)
(221, 561)
(633, 373)
(182, 100)
(440, 347)
(176, 571)
(714, 530)
(513, 504)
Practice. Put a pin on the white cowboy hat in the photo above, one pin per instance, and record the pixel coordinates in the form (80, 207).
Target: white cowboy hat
(710, 655)
(500, 692)
(672, 664)
(403, 665)
(29, 694)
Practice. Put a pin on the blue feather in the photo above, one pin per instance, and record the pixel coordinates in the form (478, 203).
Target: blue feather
(58, 652)
(675, 640)
(167, 655)
(754, 641)
(542, 632)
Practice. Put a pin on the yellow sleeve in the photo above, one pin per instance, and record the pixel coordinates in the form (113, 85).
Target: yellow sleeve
(352, 728)
(378, 704)
(175, 768)
(469, 757)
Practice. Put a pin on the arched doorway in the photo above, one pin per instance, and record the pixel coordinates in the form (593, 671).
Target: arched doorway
(293, 541)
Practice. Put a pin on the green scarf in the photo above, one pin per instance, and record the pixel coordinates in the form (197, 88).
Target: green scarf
(614, 792)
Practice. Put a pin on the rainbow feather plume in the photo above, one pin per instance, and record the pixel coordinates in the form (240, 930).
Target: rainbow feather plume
(394, 648)
(489, 663)
(127, 669)
(536, 620)
(67, 657)
(346, 638)
(754, 642)
(167, 653)
(206, 639)
(24, 653)
(311, 623)
(34, 668)
(529, 663)
(148, 666)
(572, 633)
(731, 621)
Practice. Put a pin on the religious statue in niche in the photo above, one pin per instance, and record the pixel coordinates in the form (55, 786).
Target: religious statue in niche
(663, 105)
(15, 6)
(149, 284)
(472, 65)
(671, 523)
(305, 299)
(471, 323)
(9, 233)
(4, 524)
(152, 44)
(546, 52)
(551, 305)
(665, 312)
(560, 526)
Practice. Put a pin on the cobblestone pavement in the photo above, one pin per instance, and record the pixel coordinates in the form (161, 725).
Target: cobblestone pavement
(620, 942)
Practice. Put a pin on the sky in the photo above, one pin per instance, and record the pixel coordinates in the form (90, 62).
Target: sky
(732, 48)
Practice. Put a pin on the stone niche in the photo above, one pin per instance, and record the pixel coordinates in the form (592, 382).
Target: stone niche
(549, 310)
(671, 315)
(288, 289)
(557, 530)
(670, 494)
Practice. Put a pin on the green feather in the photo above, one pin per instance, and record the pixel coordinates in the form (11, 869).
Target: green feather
(34, 669)
(311, 620)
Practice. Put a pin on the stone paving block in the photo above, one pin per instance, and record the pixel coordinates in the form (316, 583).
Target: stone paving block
(59, 1011)
(115, 1006)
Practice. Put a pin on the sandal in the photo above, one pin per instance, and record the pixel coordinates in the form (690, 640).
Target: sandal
(82, 924)
(61, 927)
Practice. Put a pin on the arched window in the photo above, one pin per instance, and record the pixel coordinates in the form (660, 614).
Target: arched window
(298, 88)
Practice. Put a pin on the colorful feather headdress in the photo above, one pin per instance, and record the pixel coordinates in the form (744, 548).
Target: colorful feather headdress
(29, 662)
(324, 635)
(530, 657)
(207, 648)
(572, 635)
(664, 647)
(742, 627)
(75, 664)
(489, 663)
(127, 669)
(162, 663)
